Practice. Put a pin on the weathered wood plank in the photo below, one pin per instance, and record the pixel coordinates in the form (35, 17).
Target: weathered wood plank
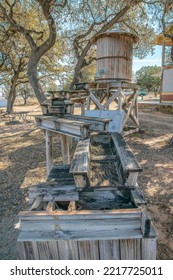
(82, 214)
(80, 166)
(137, 197)
(109, 249)
(47, 250)
(64, 126)
(132, 179)
(104, 199)
(68, 250)
(128, 249)
(79, 235)
(104, 158)
(97, 124)
(84, 250)
(65, 148)
(85, 225)
(37, 203)
(128, 159)
(94, 249)
(149, 248)
(49, 152)
(56, 193)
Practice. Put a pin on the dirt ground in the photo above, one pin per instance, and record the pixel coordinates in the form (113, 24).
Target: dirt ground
(22, 164)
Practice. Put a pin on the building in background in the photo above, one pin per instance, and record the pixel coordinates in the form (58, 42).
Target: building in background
(166, 89)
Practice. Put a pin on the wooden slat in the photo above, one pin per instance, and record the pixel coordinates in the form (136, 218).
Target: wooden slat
(109, 249)
(104, 199)
(104, 158)
(74, 128)
(47, 250)
(56, 193)
(79, 235)
(37, 203)
(82, 214)
(128, 249)
(149, 248)
(80, 165)
(95, 100)
(128, 159)
(49, 151)
(94, 249)
(137, 197)
(132, 179)
(86, 225)
(97, 124)
(68, 250)
(65, 148)
(129, 110)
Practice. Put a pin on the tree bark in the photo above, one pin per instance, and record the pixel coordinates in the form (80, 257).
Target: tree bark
(33, 77)
(12, 95)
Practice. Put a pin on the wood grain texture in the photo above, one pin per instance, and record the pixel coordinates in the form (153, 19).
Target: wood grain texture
(149, 248)
(128, 159)
(49, 152)
(109, 249)
(80, 166)
(114, 56)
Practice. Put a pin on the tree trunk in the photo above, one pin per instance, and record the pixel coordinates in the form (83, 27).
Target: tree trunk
(11, 97)
(79, 65)
(33, 77)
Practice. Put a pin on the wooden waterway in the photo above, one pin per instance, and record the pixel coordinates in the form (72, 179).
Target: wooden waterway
(102, 218)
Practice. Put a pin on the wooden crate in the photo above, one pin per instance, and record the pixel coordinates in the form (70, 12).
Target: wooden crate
(86, 234)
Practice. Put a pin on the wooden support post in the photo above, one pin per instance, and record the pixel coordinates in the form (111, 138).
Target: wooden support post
(132, 179)
(96, 101)
(88, 102)
(83, 108)
(136, 105)
(111, 99)
(49, 151)
(119, 99)
(65, 149)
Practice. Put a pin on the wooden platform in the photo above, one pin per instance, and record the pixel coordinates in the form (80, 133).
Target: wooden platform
(101, 218)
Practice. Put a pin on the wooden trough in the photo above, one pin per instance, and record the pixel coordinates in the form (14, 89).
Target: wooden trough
(89, 209)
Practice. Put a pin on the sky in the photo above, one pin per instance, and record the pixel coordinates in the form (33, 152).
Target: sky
(149, 60)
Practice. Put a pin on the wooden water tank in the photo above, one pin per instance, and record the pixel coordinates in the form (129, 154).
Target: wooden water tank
(114, 56)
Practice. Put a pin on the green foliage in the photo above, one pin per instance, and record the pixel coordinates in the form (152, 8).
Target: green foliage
(148, 78)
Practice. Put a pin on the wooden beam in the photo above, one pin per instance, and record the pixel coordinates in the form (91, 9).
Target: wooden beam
(128, 160)
(65, 149)
(56, 193)
(120, 100)
(111, 99)
(132, 179)
(37, 203)
(96, 102)
(80, 166)
(49, 151)
(128, 112)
